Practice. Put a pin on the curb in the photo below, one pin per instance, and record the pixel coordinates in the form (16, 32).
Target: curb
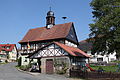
(26, 72)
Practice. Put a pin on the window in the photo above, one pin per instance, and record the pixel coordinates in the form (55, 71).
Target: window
(25, 60)
(32, 46)
(8, 47)
(112, 59)
(99, 59)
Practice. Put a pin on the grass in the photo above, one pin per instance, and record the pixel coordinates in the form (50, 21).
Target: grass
(2, 63)
(116, 61)
(106, 68)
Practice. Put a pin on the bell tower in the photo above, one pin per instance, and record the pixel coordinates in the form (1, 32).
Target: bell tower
(50, 19)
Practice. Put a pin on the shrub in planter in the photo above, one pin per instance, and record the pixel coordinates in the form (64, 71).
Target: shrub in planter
(6, 61)
(25, 67)
(61, 72)
(61, 69)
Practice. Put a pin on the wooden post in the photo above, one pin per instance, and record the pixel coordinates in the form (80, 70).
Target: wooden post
(39, 64)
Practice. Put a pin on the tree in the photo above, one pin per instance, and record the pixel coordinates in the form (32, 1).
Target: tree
(105, 28)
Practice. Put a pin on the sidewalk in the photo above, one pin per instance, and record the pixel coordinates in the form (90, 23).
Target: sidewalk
(42, 76)
(53, 76)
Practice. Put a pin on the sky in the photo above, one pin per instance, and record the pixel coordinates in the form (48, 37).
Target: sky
(18, 16)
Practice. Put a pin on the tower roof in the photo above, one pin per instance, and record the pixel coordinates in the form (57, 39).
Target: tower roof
(50, 13)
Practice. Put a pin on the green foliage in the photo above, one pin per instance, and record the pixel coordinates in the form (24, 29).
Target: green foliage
(60, 66)
(19, 61)
(116, 61)
(61, 72)
(63, 68)
(106, 27)
(6, 61)
(24, 68)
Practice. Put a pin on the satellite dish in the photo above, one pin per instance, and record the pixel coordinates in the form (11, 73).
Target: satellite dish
(64, 18)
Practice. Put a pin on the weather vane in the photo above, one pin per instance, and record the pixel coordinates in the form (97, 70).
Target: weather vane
(50, 5)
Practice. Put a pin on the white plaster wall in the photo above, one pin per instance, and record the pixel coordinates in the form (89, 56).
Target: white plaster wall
(68, 43)
(47, 52)
(23, 58)
(106, 58)
(112, 56)
(13, 54)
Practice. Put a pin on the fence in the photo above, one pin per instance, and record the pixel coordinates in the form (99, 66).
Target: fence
(81, 74)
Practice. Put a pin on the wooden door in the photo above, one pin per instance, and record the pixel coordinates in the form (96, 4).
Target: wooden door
(49, 66)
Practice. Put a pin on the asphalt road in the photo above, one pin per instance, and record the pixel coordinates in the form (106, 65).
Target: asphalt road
(9, 72)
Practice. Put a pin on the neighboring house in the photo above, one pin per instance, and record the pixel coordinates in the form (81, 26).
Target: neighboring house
(52, 46)
(8, 52)
(87, 46)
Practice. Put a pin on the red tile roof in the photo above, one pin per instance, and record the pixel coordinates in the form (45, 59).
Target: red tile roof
(72, 50)
(3, 47)
(86, 45)
(42, 33)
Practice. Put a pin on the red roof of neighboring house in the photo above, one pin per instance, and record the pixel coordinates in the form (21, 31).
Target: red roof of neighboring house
(42, 33)
(3, 47)
(72, 50)
(86, 45)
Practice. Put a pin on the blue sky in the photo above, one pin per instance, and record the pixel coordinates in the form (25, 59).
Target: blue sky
(18, 16)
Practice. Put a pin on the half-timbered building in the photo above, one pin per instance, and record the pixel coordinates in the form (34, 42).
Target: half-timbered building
(53, 55)
(8, 52)
(52, 45)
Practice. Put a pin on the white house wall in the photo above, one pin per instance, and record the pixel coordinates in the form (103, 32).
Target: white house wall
(106, 58)
(24, 60)
(112, 57)
(68, 43)
(12, 54)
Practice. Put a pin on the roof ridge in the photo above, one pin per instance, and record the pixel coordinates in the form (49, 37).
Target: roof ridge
(54, 25)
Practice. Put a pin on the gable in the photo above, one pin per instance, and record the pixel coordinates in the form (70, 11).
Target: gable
(72, 34)
(50, 51)
(7, 47)
(58, 49)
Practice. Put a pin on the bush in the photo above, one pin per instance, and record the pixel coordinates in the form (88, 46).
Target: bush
(19, 61)
(116, 61)
(61, 72)
(61, 68)
(6, 61)
(25, 67)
